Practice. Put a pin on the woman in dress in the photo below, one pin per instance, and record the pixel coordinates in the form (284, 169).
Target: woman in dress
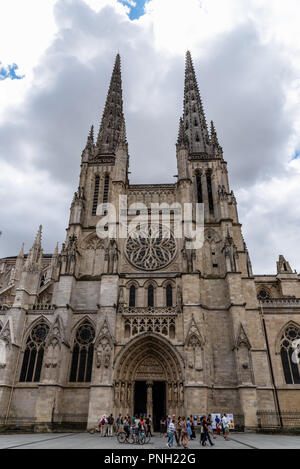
(184, 433)
(189, 427)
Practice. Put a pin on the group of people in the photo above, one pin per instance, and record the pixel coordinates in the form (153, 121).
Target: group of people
(139, 424)
(183, 429)
(106, 425)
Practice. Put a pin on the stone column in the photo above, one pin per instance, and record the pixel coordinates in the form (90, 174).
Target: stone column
(149, 398)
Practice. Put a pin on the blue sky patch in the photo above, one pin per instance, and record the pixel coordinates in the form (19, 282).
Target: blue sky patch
(296, 155)
(137, 7)
(9, 71)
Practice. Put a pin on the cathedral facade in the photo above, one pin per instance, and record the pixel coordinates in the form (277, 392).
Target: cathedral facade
(128, 325)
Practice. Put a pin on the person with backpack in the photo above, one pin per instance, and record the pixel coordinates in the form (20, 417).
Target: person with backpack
(103, 425)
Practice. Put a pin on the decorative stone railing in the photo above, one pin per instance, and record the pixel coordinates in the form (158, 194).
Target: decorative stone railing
(281, 302)
(42, 307)
(153, 311)
(5, 307)
(159, 324)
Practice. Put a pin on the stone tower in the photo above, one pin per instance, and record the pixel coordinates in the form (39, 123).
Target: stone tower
(147, 325)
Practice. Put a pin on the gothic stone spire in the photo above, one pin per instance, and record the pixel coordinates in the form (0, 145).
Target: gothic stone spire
(113, 117)
(194, 118)
(35, 255)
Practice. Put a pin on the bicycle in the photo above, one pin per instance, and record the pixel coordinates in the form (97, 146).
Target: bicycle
(137, 438)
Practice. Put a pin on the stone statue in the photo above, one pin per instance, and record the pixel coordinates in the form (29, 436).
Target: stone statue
(188, 256)
(111, 257)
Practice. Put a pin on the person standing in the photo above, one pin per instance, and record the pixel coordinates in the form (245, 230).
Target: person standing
(110, 422)
(188, 423)
(171, 432)
(137, 426)
(202, 433)
(149, 425)
(225, 425)
(206, 432)
(126, 423)
(118, 422)
(104, 426)
(218, 425)
(162, 426)
(178, 431)
(193, 436)
(210, 428)
(184, 433)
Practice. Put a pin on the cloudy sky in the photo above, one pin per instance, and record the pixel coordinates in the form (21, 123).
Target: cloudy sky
(56, 58)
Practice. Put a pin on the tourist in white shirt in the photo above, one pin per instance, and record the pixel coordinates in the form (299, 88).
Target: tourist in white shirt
(171, 432)
(225, 424)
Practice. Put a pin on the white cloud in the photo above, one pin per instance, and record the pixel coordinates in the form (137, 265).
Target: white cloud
(26, 28)
(270, 213)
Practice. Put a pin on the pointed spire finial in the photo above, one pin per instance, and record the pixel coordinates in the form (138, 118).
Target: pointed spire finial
(193, 112)
(113, 117)
(38, 239)
(21, 253)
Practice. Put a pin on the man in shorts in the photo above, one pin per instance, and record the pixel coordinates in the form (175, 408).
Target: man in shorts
(225, 425)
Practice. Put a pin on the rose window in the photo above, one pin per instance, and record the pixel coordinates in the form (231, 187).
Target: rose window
(151, 248)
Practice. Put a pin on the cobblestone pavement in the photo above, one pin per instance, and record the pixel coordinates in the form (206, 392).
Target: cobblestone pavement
(87, 441)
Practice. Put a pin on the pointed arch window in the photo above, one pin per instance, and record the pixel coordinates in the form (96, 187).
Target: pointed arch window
(169, 295)
(96, 195)
(199, 188)
(150, 296)
(34, 354)
(132, 294)
(195, 123)
(290, 354)
(210, 194)
(82, 355)
(105, 190)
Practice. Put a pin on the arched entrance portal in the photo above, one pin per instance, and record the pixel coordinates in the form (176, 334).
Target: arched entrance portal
(148, 378)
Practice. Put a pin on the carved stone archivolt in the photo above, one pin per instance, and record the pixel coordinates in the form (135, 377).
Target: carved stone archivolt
(148, 358)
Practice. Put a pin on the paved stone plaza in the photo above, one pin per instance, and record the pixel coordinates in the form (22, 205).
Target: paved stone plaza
(87, 441)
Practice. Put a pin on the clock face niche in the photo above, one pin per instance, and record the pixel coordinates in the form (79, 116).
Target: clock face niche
(153, 249)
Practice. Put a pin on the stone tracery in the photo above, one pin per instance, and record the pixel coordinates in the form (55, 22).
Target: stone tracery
(152, 249)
